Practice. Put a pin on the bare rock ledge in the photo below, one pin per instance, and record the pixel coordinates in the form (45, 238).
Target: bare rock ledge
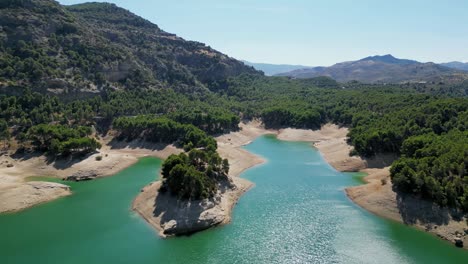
(173, 217)
(17, 196)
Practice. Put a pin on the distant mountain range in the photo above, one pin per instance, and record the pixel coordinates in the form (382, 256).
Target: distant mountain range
(385, 69)
(273, 69)
(456, 65)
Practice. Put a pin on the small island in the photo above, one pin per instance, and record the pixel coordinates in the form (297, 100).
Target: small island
(192, 194)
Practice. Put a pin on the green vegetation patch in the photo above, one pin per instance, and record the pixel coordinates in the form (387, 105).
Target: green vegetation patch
(195, 175)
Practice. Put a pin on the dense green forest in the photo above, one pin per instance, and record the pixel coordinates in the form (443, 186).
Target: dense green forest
(383, 119)
(435, 166)
(163, 130)
(59, 139)
(196, 175)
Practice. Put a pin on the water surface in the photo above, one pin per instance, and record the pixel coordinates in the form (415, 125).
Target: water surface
(296, 213)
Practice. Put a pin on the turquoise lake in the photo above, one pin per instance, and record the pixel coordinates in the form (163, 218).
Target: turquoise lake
(296, 213)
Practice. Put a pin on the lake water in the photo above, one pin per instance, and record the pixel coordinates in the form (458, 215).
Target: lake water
(296, 213)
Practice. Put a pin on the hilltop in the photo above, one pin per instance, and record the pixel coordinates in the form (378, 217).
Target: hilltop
(90, 47)
(384, 69)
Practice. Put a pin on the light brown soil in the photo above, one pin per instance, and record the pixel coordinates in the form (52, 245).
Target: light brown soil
(16, 193)
(330, 140)
(172, 217)
(169, 216)
(376, 197)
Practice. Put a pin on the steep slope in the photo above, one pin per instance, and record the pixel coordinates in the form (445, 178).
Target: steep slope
(273, 69)
(93, 46)
(384, 69)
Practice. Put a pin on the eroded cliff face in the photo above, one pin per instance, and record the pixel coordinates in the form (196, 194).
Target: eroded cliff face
(174, 217)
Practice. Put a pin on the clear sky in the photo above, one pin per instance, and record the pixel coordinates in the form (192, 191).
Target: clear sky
(315, 32)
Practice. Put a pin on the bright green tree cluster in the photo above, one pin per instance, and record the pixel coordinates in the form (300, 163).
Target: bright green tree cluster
(195, 175)
(436, 167)
(163, 130)
(62, 140)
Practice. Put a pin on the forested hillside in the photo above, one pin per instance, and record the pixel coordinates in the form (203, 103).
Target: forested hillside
(434, 166)
(382, 119)
(428, 132)
(90, 47)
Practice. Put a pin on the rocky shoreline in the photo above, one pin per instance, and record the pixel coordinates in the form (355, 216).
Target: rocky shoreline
(172, 217)
(377, 195)
(19, 190)
(17, 195)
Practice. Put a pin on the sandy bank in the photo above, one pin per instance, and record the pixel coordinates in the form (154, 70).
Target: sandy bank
(172, 217)
(165, 214)
(330, 140)
(378, 197)
(17, 194)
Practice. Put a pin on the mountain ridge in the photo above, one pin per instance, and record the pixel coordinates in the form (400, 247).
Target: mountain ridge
(384, 69)
(272, 69)
(90, 47)
(456, 65)
(388, 58)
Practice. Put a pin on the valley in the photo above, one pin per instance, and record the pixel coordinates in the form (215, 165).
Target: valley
(196, 139)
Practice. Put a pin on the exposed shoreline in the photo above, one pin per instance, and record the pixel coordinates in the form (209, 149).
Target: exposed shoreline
(381, 200)
(330, 140)
(19, 191)
(171, 217)
(377, 195)
(374, 196)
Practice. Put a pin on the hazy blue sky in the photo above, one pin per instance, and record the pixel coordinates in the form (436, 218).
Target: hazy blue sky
(320, 32)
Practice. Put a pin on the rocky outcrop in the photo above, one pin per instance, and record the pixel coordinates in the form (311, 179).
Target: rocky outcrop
(15, 196)
(186, 217)
(458, 241)
(175, 217)
(379, 197)
(82, 176)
